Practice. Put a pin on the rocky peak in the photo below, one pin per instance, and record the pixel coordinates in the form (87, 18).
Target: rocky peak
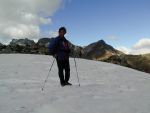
(22, 42)
(101, 42)
(98, 49)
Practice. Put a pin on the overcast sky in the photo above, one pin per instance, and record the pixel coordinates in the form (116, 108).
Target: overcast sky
(124, 24)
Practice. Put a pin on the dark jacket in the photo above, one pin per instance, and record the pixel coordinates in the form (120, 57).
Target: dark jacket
(60, 47)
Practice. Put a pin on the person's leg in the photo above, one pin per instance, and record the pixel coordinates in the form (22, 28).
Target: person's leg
(67, 71)
(60, 72)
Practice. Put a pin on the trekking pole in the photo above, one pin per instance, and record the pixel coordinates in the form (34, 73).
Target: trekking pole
(48, 75)
(76, 71)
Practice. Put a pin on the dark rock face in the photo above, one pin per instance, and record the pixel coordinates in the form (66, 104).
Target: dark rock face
(22, 42)
(99, 49)
(44, 41)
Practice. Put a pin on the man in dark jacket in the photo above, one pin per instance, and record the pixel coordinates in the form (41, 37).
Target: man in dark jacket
(59, 48)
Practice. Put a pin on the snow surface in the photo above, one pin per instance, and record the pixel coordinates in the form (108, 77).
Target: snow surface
(105, 88)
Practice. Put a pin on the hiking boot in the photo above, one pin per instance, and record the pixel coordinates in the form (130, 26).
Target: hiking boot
(67, 83)
(63, 84)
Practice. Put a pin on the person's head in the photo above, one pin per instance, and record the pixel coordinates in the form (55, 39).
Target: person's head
(62, 31)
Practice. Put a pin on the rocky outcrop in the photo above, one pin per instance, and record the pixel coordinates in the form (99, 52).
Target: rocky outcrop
(22, 42)
(44, 41)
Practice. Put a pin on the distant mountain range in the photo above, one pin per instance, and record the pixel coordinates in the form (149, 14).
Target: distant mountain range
(99, 50)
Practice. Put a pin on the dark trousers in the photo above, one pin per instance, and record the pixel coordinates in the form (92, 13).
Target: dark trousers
(63, 65)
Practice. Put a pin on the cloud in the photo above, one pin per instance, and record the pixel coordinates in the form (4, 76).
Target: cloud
(22, 30)
(141, 47)
(53, 33)
(23, 18)
(124, 49)
(143, 43)
(141, 51)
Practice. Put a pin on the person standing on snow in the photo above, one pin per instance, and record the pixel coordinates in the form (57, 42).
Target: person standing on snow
(60, 49)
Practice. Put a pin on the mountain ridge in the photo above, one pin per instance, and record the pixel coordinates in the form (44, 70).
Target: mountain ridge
(99, 50)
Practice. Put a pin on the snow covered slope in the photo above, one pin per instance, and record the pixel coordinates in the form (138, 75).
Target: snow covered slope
(105, 88)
